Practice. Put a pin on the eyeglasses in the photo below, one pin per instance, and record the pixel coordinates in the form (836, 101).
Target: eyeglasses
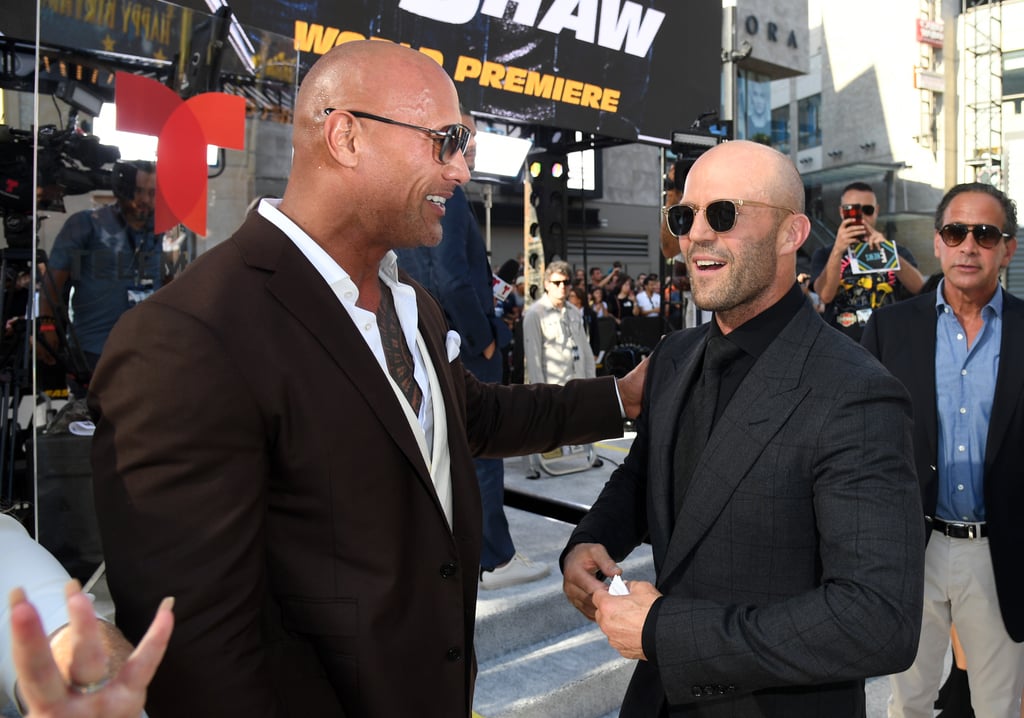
(559, 282)
(451, 139)
(986, 235)
(866, 209)
(721, 215)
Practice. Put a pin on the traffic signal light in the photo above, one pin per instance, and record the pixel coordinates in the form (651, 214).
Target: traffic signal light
(549, 174)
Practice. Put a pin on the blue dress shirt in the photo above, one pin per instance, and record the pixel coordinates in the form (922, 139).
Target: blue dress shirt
(965, 383)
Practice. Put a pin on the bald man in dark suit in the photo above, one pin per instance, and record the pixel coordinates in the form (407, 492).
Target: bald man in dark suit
(772, 472)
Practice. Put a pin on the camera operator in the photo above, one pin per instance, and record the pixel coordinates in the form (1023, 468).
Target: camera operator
(112, 260)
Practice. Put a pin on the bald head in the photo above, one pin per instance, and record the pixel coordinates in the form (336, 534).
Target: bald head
(749, 262)
(767, 175)
(368, 173)
(371, 76)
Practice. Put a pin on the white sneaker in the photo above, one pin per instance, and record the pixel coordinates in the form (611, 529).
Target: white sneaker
(519, 570)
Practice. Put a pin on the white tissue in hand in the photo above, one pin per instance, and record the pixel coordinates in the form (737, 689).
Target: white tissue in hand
(617, 587)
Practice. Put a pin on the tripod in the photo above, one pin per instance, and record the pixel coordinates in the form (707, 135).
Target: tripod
(15, 364)
(16, 356)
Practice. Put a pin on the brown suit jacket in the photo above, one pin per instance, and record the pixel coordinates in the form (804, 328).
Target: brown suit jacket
(251, 460)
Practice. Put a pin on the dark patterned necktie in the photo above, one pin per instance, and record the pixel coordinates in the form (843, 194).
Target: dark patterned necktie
(699, 413)
(396, 351)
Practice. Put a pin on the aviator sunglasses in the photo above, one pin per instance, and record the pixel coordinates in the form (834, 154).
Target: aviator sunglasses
(450, 140)
(986, 235)
(720, 214)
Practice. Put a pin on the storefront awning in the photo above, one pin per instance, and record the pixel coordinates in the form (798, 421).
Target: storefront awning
(863, 171)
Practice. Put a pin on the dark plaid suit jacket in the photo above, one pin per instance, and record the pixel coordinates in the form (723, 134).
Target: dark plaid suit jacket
(794, 567)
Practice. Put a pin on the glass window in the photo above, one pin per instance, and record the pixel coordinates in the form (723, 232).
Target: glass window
(809, 122)
(1013, 73)
(780, 129)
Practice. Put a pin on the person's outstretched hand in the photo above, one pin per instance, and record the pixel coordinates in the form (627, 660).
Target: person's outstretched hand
(88, 670)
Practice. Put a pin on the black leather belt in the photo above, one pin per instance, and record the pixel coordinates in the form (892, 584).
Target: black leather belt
(958, 529)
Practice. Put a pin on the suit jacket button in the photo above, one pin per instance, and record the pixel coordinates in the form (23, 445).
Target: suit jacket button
(448, 569)
(696, 691)
(453, 654)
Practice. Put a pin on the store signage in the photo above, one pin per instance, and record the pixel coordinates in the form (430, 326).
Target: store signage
(930, 32)
(772, 31)
(929, 80)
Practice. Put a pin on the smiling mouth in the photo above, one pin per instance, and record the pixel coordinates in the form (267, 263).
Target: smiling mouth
(706, 264)
(437, 200)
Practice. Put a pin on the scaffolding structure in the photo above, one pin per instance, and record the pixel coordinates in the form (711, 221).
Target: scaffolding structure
(982, 22)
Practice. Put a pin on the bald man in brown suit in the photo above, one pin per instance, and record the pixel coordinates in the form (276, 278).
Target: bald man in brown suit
(285, 433)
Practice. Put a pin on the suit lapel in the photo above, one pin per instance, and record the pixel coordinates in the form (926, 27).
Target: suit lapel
(664, 428)
(296, 284)
(918, 373)
(762, 404)
(1010, 380)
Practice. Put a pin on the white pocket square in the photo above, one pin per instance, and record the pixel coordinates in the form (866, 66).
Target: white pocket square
(452, 344)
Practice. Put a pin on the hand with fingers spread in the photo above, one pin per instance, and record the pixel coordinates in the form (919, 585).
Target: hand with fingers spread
(87, 669)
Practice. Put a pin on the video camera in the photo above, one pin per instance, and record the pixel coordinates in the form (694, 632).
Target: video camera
(70, 163)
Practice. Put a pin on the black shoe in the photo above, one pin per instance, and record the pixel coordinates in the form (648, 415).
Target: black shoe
(955, 696)
(598, 463)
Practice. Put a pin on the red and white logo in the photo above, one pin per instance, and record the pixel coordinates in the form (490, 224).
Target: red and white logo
(183, 129)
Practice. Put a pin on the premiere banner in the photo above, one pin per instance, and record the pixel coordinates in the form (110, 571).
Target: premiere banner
(630, 69)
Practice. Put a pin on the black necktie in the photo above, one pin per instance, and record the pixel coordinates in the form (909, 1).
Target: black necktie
(699, 413)
(396, 352)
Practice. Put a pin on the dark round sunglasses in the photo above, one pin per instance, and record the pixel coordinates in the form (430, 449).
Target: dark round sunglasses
(721, 215)
(450, 140)
(866, 209)
(986, 235)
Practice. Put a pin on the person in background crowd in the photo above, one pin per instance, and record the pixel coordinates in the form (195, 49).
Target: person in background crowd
(623, 303)
(804, 280)
(649, 300)
(578, 298)
(850, 298)
(458, 274)
(112, 259)
(555, 341)
(597, 303)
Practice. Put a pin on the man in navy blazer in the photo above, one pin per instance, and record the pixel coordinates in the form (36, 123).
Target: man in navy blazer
(788, 547)
(959, 351)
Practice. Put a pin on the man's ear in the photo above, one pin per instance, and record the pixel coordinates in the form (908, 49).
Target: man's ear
(793, 233)
(341, 136)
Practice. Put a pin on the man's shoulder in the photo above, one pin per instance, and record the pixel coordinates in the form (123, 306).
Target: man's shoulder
(905, 310)
(1011, 302)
